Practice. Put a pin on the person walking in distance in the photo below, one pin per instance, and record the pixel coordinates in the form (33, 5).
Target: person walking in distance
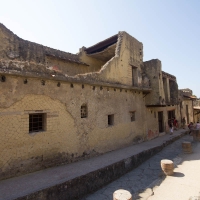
(197, 125)
(191, 127)
(171, 126)
(183, 122)
(175, 123)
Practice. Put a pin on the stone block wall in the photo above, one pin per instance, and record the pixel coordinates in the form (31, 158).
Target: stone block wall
(189, 117)
(67, 137)
(153, 71)
(173, 92)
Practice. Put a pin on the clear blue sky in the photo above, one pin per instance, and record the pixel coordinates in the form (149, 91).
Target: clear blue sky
(168, 29)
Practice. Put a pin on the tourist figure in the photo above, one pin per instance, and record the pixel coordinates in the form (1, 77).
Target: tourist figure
(197, 125)
(171, 126)
(183, 122)
(175, 124)
(191, 127)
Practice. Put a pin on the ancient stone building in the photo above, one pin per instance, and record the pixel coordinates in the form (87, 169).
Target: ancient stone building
(187, 104)
(58, 107)
(196, 107)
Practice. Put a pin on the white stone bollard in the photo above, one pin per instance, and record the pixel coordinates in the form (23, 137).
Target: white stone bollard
(122, 195)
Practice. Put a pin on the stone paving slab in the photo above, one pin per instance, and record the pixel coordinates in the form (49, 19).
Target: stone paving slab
(62, 180)
(185, 183)
(143, 181)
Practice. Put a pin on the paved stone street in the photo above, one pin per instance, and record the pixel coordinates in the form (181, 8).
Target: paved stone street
(141, 181)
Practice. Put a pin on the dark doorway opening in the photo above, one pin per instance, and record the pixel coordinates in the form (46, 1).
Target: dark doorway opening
(160, 121)
(171, 114)
(187, 114)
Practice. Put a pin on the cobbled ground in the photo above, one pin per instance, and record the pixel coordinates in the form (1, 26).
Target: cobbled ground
(144, 177)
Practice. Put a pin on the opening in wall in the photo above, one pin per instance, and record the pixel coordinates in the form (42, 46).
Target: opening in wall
(37, 122)
(171, 114)
(110, 120)
(134, 76)
(132, 113)
(160, 121)
(84, 112)
(187, 114)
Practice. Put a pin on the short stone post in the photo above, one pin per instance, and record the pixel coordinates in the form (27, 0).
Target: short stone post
(167, 167)
(122, 195)
(187, 147)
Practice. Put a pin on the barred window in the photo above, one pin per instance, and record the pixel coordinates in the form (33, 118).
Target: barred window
(84, 112)
(37, 122)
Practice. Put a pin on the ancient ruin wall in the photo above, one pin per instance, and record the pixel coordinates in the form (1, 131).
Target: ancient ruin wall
(153, 71)
(119, 68)
(67, 136)
(24, 56)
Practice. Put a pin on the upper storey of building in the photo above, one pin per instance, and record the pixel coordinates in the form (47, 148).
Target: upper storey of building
(116, 60)
(164, 86)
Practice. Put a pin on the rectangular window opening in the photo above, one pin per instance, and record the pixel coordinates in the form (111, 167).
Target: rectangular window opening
(37, 122)
(110, 120)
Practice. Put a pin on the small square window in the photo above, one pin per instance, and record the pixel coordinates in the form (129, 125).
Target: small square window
(84, 111)
(37, 122)
(110, 120)
(132, 116)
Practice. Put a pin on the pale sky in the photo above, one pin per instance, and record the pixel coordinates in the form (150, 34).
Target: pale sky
(168, 29)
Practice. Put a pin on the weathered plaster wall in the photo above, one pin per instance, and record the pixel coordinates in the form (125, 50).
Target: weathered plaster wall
(66, 67)
(154, 72)
(13, 47)
(22, 55)
(68, 136)
(119, 68)
(152, 119)
(94, 64)
(21, 152)
(196, 116)
(130, 55)
(196, 105)
(151, 123)
(26, 57)
(166, 90)
(173, 92)
(35, 78)
(190, 110)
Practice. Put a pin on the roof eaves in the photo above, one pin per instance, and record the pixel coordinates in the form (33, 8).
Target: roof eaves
(111, 40)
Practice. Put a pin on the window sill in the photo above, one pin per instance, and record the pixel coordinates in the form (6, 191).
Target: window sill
(36, 132)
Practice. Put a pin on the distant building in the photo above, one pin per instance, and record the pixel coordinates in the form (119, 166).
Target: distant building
(187, 104)
(196, 107)
(58, 107)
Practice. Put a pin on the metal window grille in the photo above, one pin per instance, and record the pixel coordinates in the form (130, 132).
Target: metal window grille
(83, 111)
(110, 120)
(36, 122)
(132, 116)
